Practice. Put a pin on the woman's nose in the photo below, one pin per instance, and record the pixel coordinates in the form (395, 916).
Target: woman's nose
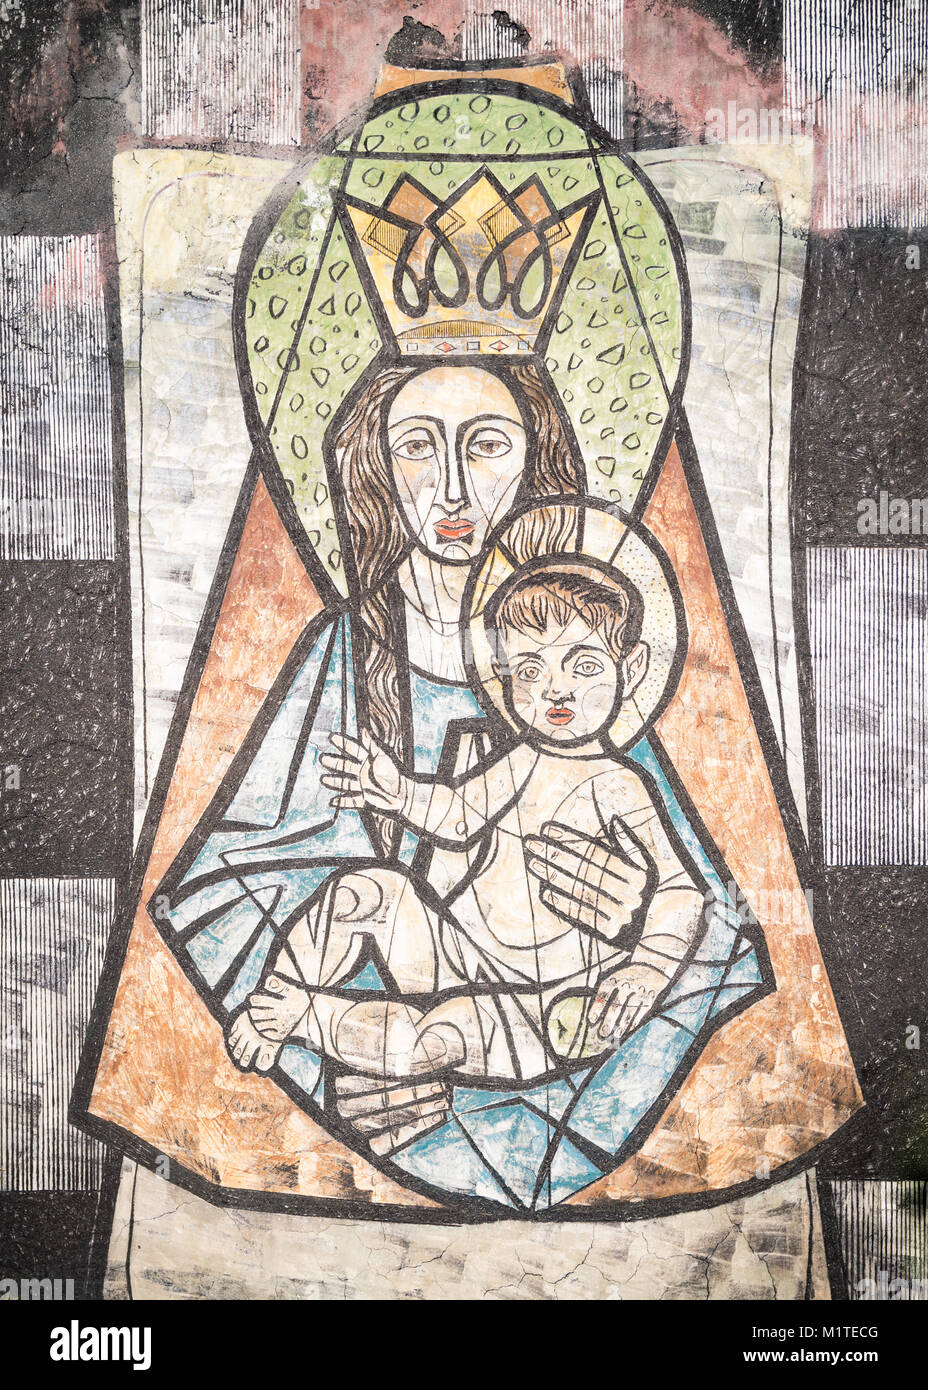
(455, 483)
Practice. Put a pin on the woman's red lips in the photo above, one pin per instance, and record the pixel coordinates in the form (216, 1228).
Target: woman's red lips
(558, 714)
(454, 530)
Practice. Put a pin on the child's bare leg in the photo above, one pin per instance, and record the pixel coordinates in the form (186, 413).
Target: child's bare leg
(471, 1023)
(386, 1038)
(380, 1037)
(323, 949)
(377, 1037)
(395, 1039)
(363, 906)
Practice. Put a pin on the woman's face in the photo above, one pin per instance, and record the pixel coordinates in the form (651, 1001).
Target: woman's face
(457, 445)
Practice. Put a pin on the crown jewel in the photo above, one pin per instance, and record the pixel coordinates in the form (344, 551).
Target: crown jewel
(477, 273)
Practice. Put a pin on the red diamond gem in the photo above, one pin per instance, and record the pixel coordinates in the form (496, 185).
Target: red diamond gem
(446, 347)
(498, 346)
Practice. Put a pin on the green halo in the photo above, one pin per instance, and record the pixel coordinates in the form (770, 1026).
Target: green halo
(616, 350)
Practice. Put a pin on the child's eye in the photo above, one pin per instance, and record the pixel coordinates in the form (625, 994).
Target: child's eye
(529, 672)
(588, 666)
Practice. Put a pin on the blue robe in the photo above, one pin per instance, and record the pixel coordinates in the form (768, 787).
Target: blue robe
(256, 859)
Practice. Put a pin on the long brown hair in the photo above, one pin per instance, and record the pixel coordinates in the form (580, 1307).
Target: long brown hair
(379, 540)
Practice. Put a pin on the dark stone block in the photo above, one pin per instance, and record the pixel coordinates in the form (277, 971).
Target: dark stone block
(65, 720)
(859, 419)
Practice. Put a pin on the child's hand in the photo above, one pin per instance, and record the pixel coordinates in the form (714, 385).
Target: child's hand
(363, 774)
(624, 998)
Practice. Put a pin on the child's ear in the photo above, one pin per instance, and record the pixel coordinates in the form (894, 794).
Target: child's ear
(635, 667)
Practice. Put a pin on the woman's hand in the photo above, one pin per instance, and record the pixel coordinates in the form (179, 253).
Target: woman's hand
(364, 774)
(624, 998)
(593, 884)
(389, 1114)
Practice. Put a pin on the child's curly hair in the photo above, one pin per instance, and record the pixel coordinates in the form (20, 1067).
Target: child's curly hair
(611, 607)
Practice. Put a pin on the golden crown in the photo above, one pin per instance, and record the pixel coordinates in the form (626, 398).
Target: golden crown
(478, 273)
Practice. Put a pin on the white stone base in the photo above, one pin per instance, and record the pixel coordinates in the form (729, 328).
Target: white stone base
(768, 1246)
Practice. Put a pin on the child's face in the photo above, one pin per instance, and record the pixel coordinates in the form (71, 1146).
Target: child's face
(564, 680)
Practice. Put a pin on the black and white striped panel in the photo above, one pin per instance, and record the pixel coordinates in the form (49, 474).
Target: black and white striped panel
(222, 70)
(883, 1236)
(56, 445)
(588, 31)
(868, 629)
(859, 70)
(52, 937)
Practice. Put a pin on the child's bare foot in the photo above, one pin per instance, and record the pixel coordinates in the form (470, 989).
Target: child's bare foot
(246, 1046)
(278, 1009)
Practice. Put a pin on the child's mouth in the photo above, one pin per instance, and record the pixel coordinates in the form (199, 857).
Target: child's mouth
(559, 714)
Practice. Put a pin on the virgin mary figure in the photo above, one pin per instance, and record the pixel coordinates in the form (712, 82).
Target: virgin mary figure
(470, 304)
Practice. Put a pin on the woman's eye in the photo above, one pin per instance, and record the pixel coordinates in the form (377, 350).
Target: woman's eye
(489, 444)
(416, 447)
(588, 666)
